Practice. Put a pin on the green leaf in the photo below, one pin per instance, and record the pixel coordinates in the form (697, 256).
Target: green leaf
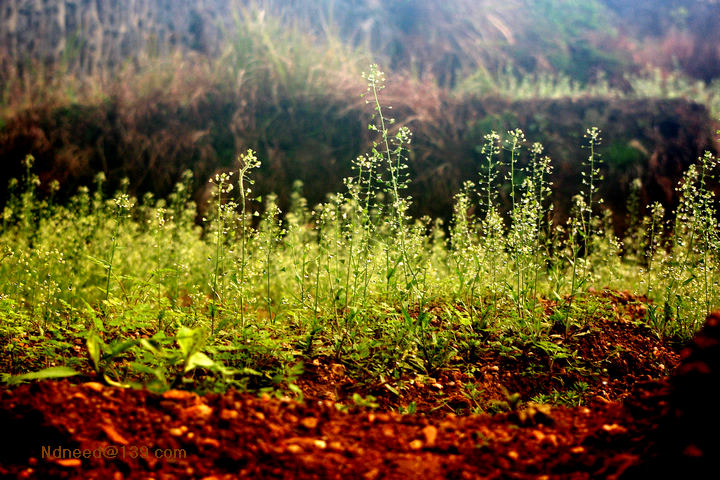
(98, 261)
(199, 359)
(94, 346)
(145, 343)
(408, 319)
(158, 373)
(116, 348)
(115, 383)
(392, 389)
(187, 341)
(296, 390)
(52, 372)
(97, 322)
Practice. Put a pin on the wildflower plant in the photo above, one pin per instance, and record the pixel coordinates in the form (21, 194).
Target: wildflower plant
(248, 162)
(590, 181)
(539, 172)
(688, 272)
(465, 254)
(122, 207)
(270, 233)
(392, 150)
(514, 144)
(224, 212)
(491, 245)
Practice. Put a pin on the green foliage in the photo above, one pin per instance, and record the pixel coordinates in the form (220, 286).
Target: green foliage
(157, 300)
(46, 373)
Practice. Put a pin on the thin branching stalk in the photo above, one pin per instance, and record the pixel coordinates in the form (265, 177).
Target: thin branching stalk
(376, 82)
(248, 162)
(122, 205)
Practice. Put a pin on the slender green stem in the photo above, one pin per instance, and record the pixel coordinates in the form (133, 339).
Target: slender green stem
(112, 257)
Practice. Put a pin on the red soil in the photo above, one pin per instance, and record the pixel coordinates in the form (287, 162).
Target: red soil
(660, 428)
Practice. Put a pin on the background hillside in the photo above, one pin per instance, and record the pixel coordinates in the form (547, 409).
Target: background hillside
(148, 88)
(451, 40)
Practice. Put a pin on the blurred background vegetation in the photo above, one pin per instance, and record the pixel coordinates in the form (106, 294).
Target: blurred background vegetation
(145, 89)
